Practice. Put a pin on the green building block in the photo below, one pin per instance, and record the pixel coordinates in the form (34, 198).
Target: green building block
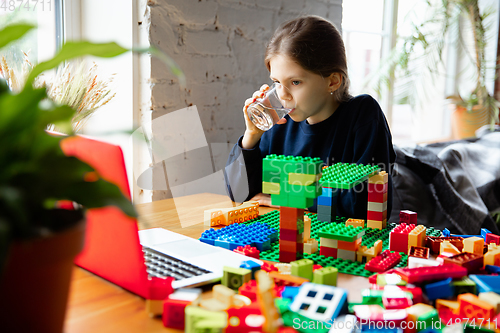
(292, 164)
(299, 202)
(341, 232)
(279, 200)
(309, 191)
(428, 320)
(271, 176)
(202, 320)
(302, 179)
(464, 285)
(326, 275)
(235, 277)
(346, 175)
(303, 268)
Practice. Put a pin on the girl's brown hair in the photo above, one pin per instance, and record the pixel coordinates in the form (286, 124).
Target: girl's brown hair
(316, 45)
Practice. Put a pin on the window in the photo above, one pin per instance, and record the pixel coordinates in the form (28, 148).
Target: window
(39, 44)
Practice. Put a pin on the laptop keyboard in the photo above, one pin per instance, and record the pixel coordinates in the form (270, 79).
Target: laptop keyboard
(161, 265)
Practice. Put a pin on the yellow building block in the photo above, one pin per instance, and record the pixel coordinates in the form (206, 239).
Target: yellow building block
(491, 298)
(381, 178)
(473, 245)
(222, 299)
(271, 188)
(328, 242)
(355, 222)
(307, 228)
(376, 224)
(492, 257)
(302, 179)
(311, 246)
(447, 247)
(417, 236)
(369, 253)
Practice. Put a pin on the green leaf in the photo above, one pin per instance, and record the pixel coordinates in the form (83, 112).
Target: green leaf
(13, 32)
(72, 50)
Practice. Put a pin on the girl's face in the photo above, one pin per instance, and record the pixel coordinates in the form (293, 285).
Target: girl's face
(309, 92)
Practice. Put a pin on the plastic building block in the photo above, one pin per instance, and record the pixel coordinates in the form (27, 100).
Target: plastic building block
(484, 232)
(392, 303)
(492, 269)
(226, 216)
(492, 257)
(473, 245)
(419, 252)
(407, 216)
(271, 188)
(346, 254)
(464, 285)
(173, 313)
(346, 175)
(328, 251)
(381, 178)
(421, 274)
(426, 318)
(376, 224)
(258, 235)
(383, 261)
(251, 265)
(307, 228)
(492, 298)
(310, 246)
(434, 243)
(473, 262)
(290, 292)
(248, 251)
(487, 283)
(325, 275)
(249, 289)
(375, 313)
(281, 164)
(267, 267)
(447, 247)
(417, 236)
(364, 254)
(439, 289)
(235, 277)
(247, 318)
(320, 302)
(355, 223)
(303, 268)
(303, 179)
(350, 246)
(492, 238)
(341, 232)
(222, 299)
(265, 297)
(473, 308)
(198, 319)
(287, 280)
(453, 306)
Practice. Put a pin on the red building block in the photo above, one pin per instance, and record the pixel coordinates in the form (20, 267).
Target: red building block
(239, 321)
(407, 216)
(291, 235)
(415, 291)
(421, 274)
(472, 307)
(472, 262)
(267, 267)
(383, 261)
(248, 251)
(174, 313)
(328, 251)
(288, 257)
(419, 252)
(396, 302)
(377, 197)
(290, 217)
(492, 238)
(377, 188)
(398, 238)
(249, 289)
(376, 216)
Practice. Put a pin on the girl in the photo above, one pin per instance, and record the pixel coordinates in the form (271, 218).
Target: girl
(307, 56)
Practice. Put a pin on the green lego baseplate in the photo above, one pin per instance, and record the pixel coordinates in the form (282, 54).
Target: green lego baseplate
(344, 266)
(347, 175)
(278, 164)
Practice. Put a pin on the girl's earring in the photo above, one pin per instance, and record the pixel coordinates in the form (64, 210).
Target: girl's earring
(331, 92)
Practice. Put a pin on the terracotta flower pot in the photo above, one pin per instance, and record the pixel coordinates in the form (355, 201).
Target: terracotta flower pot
(35, 283)
(464, 124)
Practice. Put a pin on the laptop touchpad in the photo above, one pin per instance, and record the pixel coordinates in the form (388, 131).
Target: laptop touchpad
(187, 248)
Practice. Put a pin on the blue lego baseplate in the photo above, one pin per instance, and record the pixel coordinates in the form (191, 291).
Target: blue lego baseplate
(257, 234)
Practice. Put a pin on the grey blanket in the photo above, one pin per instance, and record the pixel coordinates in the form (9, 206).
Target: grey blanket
(454, 185)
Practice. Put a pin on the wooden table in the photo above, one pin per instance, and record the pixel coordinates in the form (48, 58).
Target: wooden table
(96, 305)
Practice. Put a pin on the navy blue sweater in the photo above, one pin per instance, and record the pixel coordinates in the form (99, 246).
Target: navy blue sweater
(357, 132)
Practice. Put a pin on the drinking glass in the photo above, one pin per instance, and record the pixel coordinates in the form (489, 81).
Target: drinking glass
(269, 109)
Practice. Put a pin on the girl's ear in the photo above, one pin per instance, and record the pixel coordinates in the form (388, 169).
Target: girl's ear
(334, 81)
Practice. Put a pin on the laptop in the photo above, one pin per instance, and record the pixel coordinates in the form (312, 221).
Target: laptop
(117, 251)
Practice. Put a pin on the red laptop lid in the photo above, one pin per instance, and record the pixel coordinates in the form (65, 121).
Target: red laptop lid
(112, 249)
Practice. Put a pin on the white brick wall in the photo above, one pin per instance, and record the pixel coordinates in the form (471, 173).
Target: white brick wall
(219, 44)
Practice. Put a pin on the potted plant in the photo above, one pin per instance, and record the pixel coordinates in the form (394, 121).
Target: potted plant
(39, 240)
(418, 59)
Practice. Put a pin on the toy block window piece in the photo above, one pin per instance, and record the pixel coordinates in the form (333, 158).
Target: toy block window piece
(235, 277)
(492, 298)
(355, 223)
(303, 268)
(198, 320)
(320, 302)
(492, 238)
(407, 216)
(376, 224)
(419, 252)
(271, 188)
(447, 247)
(473, 308)
(383, 261)
(473, 262)
(473, 245)
(326, 275)
(346, 175)
(346, 255)
(421, 274)
(311, 246)
(487, 283)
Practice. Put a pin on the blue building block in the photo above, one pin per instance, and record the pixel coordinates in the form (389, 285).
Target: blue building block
(290, 292)
(484, 232)
(251, 265)
(486, 283)
(440, 289)
(446, 232)
(492, 269)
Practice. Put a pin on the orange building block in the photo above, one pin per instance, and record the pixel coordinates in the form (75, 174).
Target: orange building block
(453, 306)
(473, 308)
(492, 257)
(369, 253)
(355, 222)
(287, 280)
(350, 246)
